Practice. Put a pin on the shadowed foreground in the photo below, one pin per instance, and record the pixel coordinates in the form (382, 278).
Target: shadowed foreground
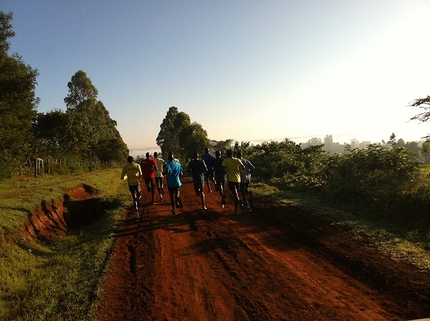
(275, 263)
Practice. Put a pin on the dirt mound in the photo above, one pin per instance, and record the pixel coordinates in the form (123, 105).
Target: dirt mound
(57, 217)
(81, 192)
(274, 263)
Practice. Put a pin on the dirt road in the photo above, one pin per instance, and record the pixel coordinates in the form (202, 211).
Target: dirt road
(275, 263)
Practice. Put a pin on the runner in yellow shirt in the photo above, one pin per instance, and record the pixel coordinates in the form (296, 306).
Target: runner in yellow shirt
(133, 174)
(233, 167)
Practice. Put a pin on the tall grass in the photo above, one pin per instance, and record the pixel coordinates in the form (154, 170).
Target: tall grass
(57, 280)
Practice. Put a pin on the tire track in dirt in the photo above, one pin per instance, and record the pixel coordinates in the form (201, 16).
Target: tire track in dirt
(276, 263)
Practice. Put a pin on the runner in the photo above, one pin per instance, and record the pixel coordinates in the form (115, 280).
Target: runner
(159, 175)
(174, 171)
(220, 176)
(208, 159)
(245, 180)
(233, 166)
(133, 173)
(197, 168)
(149, 166)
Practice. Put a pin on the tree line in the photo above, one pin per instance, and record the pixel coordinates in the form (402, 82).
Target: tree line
(84, 132)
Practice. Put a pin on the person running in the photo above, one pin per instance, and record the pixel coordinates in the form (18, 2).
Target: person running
(159, 175)
(173, 170)
(133, 173)
(149, 167)
(233, 166)
(245, 179)
(197, 168)
(219, 175)
(208, 159)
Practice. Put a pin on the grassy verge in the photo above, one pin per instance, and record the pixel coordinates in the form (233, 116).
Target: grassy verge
(398, 242)
(57, 281)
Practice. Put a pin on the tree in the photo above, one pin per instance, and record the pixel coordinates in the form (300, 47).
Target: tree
(81, 89)
(88, 122)
(425, 150)
(18, 103)
(6, 30)
(49, 133)
(167, 138)
(423, 103)
(393, 140)
(193, 139)
(180, 136)
(222, 145)
(328, 143)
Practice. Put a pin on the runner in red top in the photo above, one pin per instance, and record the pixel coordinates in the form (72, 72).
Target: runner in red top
(149, 166)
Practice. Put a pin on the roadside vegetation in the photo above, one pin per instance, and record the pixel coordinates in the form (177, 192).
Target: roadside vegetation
(381, 193)
(55, 280)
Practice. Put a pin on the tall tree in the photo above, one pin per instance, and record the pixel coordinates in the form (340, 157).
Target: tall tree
(6, 30)
(88, 122)
(193, 139)
(18, 103)
(222, 145)
(49, 133)
(180, 136)
(81, 89)
(167, 138)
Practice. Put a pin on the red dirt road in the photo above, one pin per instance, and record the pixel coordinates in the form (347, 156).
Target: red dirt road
(275, 263)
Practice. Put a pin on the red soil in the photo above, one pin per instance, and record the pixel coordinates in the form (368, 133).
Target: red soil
(275, 263)
(50, 219)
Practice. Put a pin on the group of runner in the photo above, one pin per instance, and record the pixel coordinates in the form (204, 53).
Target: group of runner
(235, 171)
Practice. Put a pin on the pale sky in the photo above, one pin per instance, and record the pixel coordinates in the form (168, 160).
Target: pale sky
(244, 69)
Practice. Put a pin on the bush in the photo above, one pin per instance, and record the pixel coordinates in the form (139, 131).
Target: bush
(370, 173)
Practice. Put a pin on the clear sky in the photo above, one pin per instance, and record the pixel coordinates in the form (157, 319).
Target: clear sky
(246, 70)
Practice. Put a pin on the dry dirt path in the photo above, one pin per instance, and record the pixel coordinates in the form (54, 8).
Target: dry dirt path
(275, 263)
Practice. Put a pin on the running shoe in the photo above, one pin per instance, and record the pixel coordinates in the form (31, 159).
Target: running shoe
(204, 207)
(174, 213)
(235, 212)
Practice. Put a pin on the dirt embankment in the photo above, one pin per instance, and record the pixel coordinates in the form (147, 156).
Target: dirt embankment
(274, 263)
(80, 206)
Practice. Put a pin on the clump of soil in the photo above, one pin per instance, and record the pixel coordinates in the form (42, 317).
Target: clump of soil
(57, 217)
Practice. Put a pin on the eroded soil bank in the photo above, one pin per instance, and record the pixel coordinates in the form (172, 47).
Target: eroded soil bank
(79, 206)
(275, 263)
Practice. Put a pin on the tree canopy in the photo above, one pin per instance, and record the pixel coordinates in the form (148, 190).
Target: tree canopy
(181, 136)
(423, 103)
(85, 129)
(81, 90)
(18, 102)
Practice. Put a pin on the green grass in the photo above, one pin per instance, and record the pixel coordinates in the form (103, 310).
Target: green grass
(60, 280)
(398, 242)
